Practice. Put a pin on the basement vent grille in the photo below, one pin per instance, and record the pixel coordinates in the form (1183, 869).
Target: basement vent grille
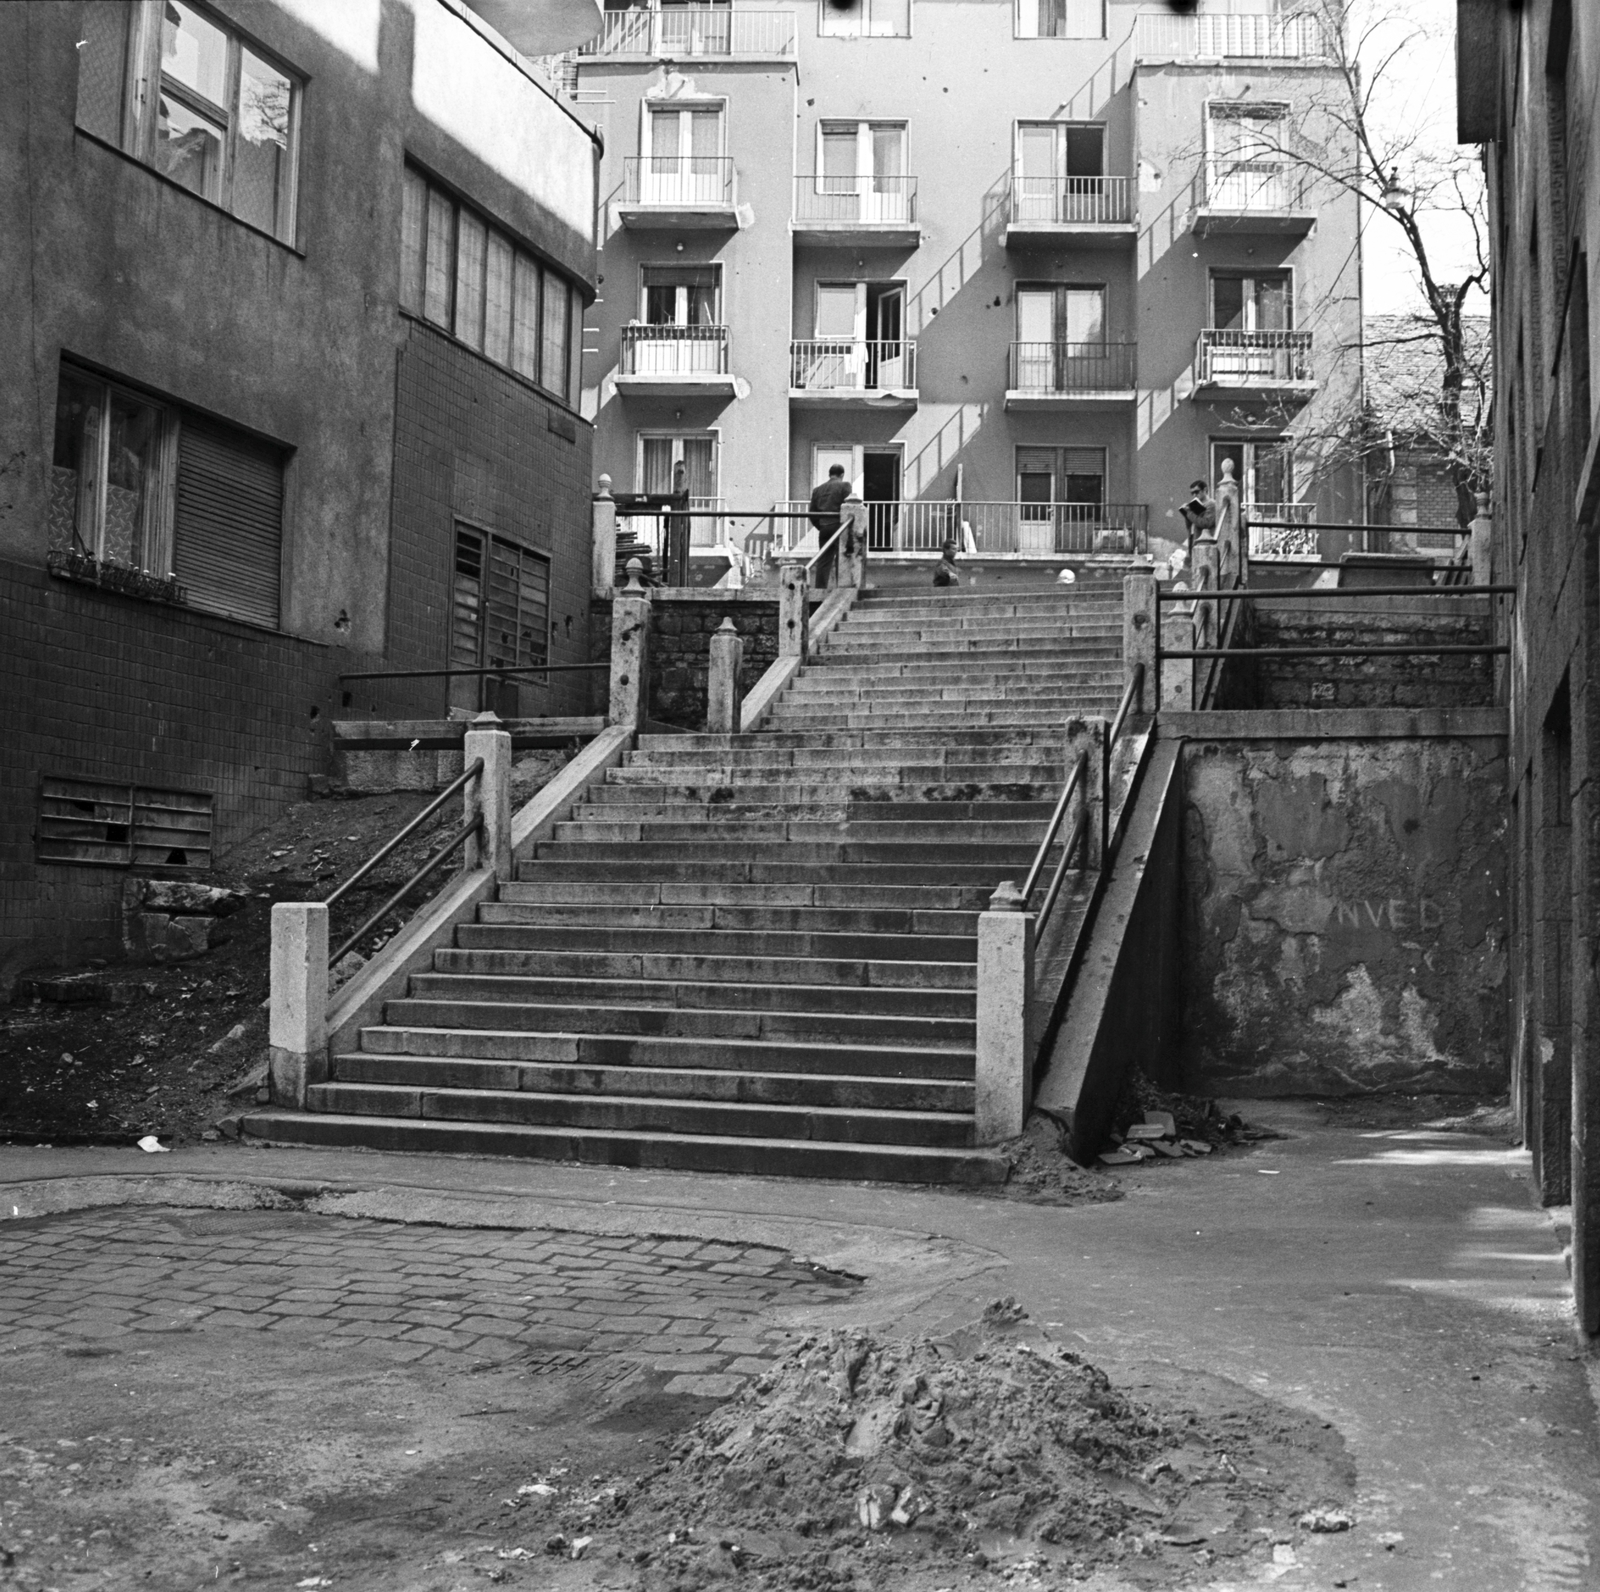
(109, 825)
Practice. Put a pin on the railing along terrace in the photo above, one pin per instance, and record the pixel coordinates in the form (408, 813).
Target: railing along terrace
(684, 31)
(707, 517)
(1085, 201)
(1281, 530)
(1071, 367)
(1263, 36)
(864, 201)
(833, 364)
(1256, 187)
(1044, 530)
(703, 180)
(674, 350)
(1229, 356)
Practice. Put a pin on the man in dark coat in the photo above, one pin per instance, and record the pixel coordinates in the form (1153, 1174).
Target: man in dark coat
(826, 502)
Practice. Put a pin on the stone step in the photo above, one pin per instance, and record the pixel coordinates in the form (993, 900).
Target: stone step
(697, 745)
(562, 917)
(1067, 622)
(1002, 704)
(951, 648)
(1018, 715)
(834, 763)
(750, 1022)
(536, 889)
(1024, 682)
(680, 872)
(815, 859)
(646, 1114)
(896, 944)
(788, 806)
(641, 1052)
(755, 787)
(655, 1151)
(745, 830)
(696, 991)
(727, 964)
(729, 1084)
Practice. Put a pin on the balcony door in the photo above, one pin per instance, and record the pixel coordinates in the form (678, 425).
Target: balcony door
(683, 155)
(694, 27)
(684, 301)
(877, 473)
(1060, 172)
(1059, 328)
(1243, 309)
(1245, 163)
(1264, 470)
(862, 170)
(1061, 495)
(859, 336)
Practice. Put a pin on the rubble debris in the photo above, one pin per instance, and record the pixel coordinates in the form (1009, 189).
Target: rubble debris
(1042, 1173)
(1326, 1520)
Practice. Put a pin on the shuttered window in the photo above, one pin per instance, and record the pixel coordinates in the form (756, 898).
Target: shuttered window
(500, 611)
(121, 826)
(228, 521)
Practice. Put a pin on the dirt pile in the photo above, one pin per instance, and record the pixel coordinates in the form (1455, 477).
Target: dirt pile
(867, 1464)
(1042, 1173)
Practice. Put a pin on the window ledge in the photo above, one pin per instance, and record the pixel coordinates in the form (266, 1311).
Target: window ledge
(66, 564)
(178, 187)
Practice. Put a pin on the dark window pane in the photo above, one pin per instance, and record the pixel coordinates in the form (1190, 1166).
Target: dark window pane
(261, 152)
(102, 70)
(75, 463)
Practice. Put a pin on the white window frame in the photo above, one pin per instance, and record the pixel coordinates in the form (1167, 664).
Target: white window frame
(1025, 22)
(1251, 273)
(678, 435)
(649, 109)
(1232, 110)
(864, 29)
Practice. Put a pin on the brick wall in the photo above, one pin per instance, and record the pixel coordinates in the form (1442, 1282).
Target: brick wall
(108, 687)
(680, 647)
(474, 442)
(1437, 681)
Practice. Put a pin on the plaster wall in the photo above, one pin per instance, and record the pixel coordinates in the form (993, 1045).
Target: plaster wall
(1344, 915)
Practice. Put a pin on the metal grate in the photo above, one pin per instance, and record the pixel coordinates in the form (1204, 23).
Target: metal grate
(112, 825)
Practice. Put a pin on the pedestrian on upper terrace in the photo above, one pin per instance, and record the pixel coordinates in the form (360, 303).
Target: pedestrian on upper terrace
(945, 572)
(826, 501)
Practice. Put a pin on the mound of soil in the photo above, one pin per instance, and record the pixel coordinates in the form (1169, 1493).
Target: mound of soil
(867, 1464)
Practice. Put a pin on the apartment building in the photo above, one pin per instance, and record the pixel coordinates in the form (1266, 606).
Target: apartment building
(288, 390)
(1025, 268)
(1528, 90)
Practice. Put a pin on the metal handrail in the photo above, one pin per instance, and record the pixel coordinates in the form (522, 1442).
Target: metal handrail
(510, 668)
(470, 827)
(1078, 837)
(1300, 593)
(416, 823)
(1132, 693)
(1078, 775)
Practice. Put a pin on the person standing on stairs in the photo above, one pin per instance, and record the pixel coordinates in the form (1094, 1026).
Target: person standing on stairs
(945, 572)
(826, 502)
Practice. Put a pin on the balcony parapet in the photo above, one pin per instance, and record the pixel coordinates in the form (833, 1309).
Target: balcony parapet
(675, 362)
(1272, 197)
(1049, 210)
(688, 33)
(1051, 376)
(853, 373)
(680, 193)
(1266, 36)
(856, 212)
(1230, 363)
(1014, 529)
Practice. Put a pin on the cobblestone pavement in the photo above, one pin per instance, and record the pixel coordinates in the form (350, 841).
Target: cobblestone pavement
(685, 1306)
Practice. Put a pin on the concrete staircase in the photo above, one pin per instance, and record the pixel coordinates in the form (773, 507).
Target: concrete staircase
(757, 952)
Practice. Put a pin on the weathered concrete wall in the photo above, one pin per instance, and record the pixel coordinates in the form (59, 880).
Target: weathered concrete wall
(1344, 912)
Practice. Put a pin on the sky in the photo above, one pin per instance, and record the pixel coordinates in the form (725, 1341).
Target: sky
(1417, 96)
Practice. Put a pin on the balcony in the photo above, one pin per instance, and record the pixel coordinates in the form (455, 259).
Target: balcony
(993, 530)
(1257, 197)
(1239, 364)
(1050, 210)
(684, 33)
(674, 362)
(1263, 37)
(680, 193)
(852, 373)
(856, 212)
(1061, 376)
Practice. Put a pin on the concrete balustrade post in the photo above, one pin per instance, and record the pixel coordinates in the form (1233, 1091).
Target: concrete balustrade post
(1005, 1016)
(1087, 737)
(297, 1020)
(604, 530)
(1482, 544)
(853, 533)
(1139, 632)
(724, 691)
(794, 611)
(630, 652)
(489, 794)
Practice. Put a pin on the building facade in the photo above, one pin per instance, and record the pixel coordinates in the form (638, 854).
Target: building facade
(1529, 92)
(288, 390)
(1025, 268)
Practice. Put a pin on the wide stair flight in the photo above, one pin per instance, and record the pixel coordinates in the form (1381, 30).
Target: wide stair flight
(757, 953)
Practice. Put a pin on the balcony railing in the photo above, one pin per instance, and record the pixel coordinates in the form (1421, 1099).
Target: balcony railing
(1284, 533)
(679, 32)
(844, 364)
(858, 201)
(1256, 187)
(1043, 530)
(1069, 369)
(704, 529)
(674, 351)
(1267, 36)
(1226, 357)
(678, 181)
(1065, 201)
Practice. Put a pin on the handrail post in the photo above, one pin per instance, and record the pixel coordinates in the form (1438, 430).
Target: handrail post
(297, 1022)
(724, 686)
(604, 531)
(1139, 632)
(794, 610)
(1005, 1016)
(491, 846)
(1087, 738)
(630, 652)
(853, 532)
(1482, 543)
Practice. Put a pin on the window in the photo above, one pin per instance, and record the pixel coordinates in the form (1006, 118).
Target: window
(177, 89)
(661, 453)
(123, 826)
(1061, 19)
(500, 604)
(684, 164)
(873, 19)
(1264, 470)
(1263, 302)
(1061, 339)
(460, 273)
(682, 295)
(1061, 475)
(1059, 173)
(1246, 164)
(858, 338)
(141, 485)
(865, 161)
